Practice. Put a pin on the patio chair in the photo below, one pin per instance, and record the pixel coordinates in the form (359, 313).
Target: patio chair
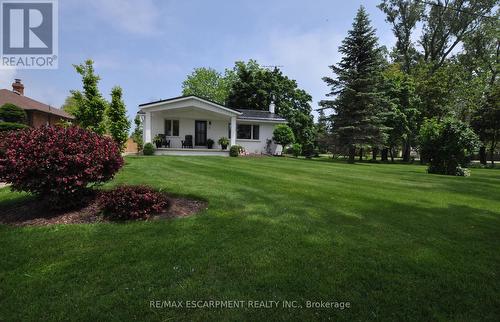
(163, 141)
(187, 142)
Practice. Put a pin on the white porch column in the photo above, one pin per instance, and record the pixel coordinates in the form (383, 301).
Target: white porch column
(233, 130)
(147, 128)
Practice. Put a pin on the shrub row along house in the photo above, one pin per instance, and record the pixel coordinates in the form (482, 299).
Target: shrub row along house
(187, 125)
(39, 114)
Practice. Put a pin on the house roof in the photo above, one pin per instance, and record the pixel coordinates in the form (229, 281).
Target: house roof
(183, 97)
(243, 114)
(259, 115)
(188, 97)
(26, 103)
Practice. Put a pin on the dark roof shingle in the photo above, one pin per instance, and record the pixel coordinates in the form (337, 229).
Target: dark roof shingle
(259, 115)
(26, 103)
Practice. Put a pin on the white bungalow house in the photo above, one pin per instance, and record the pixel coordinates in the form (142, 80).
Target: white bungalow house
(186, 123)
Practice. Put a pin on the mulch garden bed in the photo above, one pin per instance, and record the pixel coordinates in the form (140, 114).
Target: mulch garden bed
(34, 212)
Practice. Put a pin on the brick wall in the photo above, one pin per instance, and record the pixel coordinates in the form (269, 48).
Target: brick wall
(38, 119)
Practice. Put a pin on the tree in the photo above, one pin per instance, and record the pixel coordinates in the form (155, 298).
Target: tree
(448, 83)
(70, 106)
(12, 118)
(446, 145)
(255, 87)
(283, 135)
(447, 23)
(358, 120)
(402, 119)
(323, 133)
(404, 16)
(209, 84)
(12, 113)
(91, 106)
(137, 134)
(118, 123)
(481, 61)
(486, 122)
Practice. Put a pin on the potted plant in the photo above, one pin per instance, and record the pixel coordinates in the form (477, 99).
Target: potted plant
(210, 143)
(224, 142)
(157, 141)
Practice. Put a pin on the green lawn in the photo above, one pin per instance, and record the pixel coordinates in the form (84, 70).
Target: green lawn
(397, 243)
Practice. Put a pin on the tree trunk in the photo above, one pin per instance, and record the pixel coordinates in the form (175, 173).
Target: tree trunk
(406, 151)
(385, 153)
(492, 156)
(352, 153)
(482, 155)
(391, 151)
(374, 153)
(361, 154)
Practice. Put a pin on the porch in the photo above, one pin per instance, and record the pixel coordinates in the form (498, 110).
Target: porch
(192, 152)
(189, 124)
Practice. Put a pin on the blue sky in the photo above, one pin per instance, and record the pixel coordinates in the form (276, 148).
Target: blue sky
(148, 47)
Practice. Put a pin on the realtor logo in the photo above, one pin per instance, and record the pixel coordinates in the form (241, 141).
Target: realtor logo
(29, 34)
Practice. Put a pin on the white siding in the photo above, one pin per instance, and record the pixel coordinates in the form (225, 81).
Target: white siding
(259, 146)
(217, 127)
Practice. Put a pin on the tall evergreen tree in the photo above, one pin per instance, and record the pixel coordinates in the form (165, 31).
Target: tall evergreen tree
(358, 118)
(90, 105)
(118, 123)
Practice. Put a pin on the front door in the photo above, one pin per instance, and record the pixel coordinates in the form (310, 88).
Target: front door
(200, 132)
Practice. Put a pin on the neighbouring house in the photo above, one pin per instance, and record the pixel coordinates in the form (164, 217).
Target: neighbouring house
(39, 114)
(186, 123)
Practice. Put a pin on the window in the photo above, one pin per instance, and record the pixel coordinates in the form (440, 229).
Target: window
(247, 132)
(255, 132)
(172, 127)
(244, 131)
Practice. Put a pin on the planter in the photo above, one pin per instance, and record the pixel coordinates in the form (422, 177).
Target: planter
(158, 145)
(224, 146)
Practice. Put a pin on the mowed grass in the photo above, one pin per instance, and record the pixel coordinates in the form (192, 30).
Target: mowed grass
(397, 243)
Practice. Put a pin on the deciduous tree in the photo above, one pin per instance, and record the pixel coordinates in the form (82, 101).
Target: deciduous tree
(90, 105)
(118, 123)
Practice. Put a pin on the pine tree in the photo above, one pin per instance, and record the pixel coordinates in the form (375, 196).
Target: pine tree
(118, 124)
(90, 105)
(358, 118)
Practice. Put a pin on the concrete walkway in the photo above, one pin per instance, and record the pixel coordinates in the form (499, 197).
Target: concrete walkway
(3, 185)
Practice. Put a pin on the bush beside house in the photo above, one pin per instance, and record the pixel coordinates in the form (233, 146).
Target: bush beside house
(236, 150)
(12, 117)
(148, 149)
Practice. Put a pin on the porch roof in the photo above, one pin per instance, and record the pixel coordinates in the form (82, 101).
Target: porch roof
(187, 101)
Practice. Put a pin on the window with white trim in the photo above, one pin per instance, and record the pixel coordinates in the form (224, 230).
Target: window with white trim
(247, 131)
(172, 127)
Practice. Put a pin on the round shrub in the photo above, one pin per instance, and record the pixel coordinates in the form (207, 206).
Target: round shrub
(132, 202)
(283, 135)
(12, 113)
(148, 149)
(236, 150)
(58, 164)
(446, 145)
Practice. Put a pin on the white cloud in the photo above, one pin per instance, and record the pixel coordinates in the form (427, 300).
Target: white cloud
(7, 78)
